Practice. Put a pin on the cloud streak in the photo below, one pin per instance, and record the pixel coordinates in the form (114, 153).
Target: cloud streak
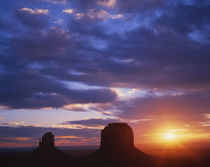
(94, 122)
(34, 11)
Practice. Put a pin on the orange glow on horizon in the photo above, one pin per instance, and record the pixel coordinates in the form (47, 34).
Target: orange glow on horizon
(170, 133)
(169, 136)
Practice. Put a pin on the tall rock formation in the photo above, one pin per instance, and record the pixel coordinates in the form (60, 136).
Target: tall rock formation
(117, 136)
(117, 145)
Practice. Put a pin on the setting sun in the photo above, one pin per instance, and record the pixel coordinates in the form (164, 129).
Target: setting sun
(169, 136)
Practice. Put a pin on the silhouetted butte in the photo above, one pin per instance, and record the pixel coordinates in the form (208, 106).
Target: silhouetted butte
(117, 144)
(46, 150)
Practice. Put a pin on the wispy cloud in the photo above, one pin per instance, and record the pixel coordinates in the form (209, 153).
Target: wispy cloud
(34, 11)
(15, 123)
(62, 2)
(79, 16)
(98, 14)
(59, 21)
(67, 137)
(93, 122)
(108, 3)
(102, 14)
(68, 11)
(207, 116)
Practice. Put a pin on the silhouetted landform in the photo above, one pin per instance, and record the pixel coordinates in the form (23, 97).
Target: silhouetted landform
(117, 136)
(46, 152)
(47, 141)
(117, 149)
(47, 148)
(117, 145)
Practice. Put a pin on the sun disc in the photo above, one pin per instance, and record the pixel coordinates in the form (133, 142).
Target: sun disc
(169, 136)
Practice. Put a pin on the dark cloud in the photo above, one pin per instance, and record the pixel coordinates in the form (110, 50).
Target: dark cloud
(125, 5)
(31, 135)
(28, 90)
(17, 140)
(186, 107)
(133, 6)
(85, 4)
(162, 54)
(37, 132)
(89, 27)
(29, 83)
(94, 122)
(34, 21)
(185, 18)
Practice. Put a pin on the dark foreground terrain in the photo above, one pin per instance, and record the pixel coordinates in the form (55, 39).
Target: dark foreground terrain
(85, 157)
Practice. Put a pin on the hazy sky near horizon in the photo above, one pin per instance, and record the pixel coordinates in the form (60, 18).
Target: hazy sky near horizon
(73, 66)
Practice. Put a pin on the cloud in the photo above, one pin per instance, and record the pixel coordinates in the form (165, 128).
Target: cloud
(143, 50)
(68, 11)
(184, 107)
(35, 11)
(93, 14)
(15, 123)
(83, 107)
(79, 16)
(102, 14)
(35, 19)
(125, 5)
(37, 132)
(93, 122)
(96, 13)
(41, 93)
(61, 2)
(132, 6)
(107, 3)
(59, 21)
(185, 15)
(30, 136)
(15, 139)
(117, 16)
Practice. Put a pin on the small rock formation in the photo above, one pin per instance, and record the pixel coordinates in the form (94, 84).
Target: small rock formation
(47, 141)
(117, 144)
(46, 150)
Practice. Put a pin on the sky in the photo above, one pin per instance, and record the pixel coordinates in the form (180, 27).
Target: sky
(73, 66)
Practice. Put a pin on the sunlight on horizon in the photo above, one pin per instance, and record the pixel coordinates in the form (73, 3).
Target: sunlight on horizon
(169, 136)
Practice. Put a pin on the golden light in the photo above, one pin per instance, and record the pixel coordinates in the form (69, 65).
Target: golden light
(169, 136)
